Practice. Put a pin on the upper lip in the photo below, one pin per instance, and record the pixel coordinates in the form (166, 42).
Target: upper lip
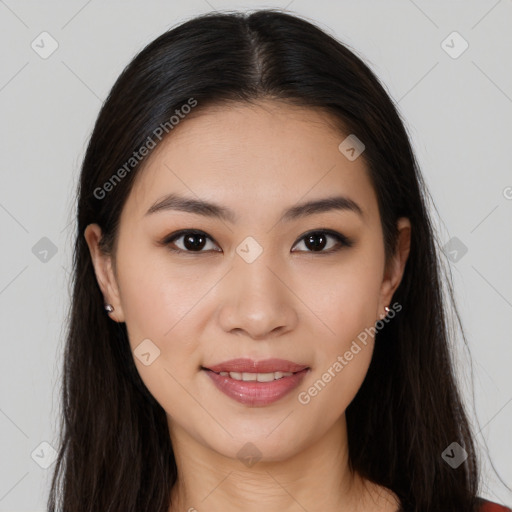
(251, 366)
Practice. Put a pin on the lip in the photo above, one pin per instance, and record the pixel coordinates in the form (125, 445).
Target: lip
(254, 393)
(264, 366)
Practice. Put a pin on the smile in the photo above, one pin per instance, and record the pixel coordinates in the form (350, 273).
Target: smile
(259, 377)
(256, 389)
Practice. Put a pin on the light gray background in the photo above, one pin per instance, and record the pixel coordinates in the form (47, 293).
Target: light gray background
(458, 112)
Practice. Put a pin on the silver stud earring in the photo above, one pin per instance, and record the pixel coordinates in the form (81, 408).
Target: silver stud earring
(109, 308)
(387, 309)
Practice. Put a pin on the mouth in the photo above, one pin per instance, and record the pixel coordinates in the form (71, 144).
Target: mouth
(254, 377)
(256, 383)
(246, 365)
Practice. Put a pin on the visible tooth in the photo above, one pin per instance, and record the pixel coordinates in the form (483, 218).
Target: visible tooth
(265, 377)
(259, 377)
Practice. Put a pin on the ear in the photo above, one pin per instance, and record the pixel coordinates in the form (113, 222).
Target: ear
(104, 272)
(395, 268)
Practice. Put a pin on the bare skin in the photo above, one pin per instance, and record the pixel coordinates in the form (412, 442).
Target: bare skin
(202, 307)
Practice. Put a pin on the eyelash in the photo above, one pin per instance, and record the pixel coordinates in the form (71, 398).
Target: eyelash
(342, 240)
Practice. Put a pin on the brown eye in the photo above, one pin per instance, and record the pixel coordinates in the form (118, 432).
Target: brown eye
(192, 241)
(317, 241)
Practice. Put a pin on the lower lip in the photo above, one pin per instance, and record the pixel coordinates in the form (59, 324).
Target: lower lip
(256, 393)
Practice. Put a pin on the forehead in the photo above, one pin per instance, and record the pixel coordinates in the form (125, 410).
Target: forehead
(254, 158)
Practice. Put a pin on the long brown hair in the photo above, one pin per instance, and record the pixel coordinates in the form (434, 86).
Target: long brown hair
(115, 452)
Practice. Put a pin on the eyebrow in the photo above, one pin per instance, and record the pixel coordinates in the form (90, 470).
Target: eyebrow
(209, 209)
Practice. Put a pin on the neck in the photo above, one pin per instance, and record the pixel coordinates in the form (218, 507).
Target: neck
(318, 477)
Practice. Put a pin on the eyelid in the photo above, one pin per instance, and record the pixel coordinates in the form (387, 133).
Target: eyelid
(168, 239)
(343, 241)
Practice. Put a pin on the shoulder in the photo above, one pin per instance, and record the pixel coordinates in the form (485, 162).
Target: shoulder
(490, 506)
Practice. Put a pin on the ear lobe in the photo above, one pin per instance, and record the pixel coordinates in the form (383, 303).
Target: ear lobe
(104, 272)
(395, 269)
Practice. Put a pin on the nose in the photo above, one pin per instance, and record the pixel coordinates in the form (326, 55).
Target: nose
(256, 299)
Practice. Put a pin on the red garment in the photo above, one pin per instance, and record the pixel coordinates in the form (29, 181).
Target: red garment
(490, 506)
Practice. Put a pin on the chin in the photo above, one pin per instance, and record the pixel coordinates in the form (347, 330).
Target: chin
(259, 444)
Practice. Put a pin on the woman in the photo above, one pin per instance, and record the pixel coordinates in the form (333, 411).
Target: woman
(252, 219)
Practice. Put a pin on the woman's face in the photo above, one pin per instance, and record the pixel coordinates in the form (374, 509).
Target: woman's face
(252, 284)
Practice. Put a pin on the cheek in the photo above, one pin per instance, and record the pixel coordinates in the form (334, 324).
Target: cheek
(342, 359)
(344, 297)
(161, 303)
(157, 295)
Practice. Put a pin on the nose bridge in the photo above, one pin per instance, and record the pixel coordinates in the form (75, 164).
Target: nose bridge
(254, 298)
(252, 271)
